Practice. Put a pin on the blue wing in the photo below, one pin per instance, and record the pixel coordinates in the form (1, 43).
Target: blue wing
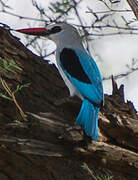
(90, 84)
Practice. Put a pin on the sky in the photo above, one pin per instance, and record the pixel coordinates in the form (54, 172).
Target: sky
(111, 53)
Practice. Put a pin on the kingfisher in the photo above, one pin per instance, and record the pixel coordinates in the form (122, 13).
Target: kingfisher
(78, 70)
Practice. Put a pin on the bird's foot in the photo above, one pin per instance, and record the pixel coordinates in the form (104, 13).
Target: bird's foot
(83, 145)
(76, 135)
(87, 140)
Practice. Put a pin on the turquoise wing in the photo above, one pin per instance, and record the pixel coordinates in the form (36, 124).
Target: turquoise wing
(83, 73)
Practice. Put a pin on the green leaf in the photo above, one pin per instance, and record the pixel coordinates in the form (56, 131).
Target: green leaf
(19, 87)
(13, 64)
(5, 96)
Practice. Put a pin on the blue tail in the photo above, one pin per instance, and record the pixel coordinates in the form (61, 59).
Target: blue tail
(88, 119)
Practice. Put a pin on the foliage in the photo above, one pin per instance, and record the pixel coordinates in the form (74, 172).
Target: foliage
(101, 24)
(61, 7)
(104, 177)
(9, 94)
(10, 66)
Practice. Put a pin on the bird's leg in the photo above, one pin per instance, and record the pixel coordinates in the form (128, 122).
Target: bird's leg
(83, 143)
(87, 140)
(78, 135)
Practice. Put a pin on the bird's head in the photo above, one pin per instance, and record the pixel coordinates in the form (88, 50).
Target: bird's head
(59, 33)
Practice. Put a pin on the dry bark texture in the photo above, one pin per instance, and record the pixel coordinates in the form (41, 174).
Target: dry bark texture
(134, 6)
(46, 146)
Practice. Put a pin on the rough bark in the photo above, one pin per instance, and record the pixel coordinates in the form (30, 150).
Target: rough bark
(47, 146)
(134, 6)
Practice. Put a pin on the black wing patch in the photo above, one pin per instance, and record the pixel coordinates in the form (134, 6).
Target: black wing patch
(70, 62)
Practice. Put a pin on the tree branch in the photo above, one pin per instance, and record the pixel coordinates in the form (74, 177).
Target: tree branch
(134, 6)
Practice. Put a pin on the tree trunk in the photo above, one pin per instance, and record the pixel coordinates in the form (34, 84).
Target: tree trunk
(134, 6)
(34, 145)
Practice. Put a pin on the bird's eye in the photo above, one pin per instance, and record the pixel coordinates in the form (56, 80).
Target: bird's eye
(56, 29)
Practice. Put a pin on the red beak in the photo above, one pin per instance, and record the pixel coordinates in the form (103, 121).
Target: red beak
(34, 31)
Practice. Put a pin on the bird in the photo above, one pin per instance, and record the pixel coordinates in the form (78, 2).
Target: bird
(78, 70)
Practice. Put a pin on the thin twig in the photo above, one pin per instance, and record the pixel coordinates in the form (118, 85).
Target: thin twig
(121, 75)
(18, 106)
(109, 11)
(5, 86)
(12, 95)
(23, 17)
